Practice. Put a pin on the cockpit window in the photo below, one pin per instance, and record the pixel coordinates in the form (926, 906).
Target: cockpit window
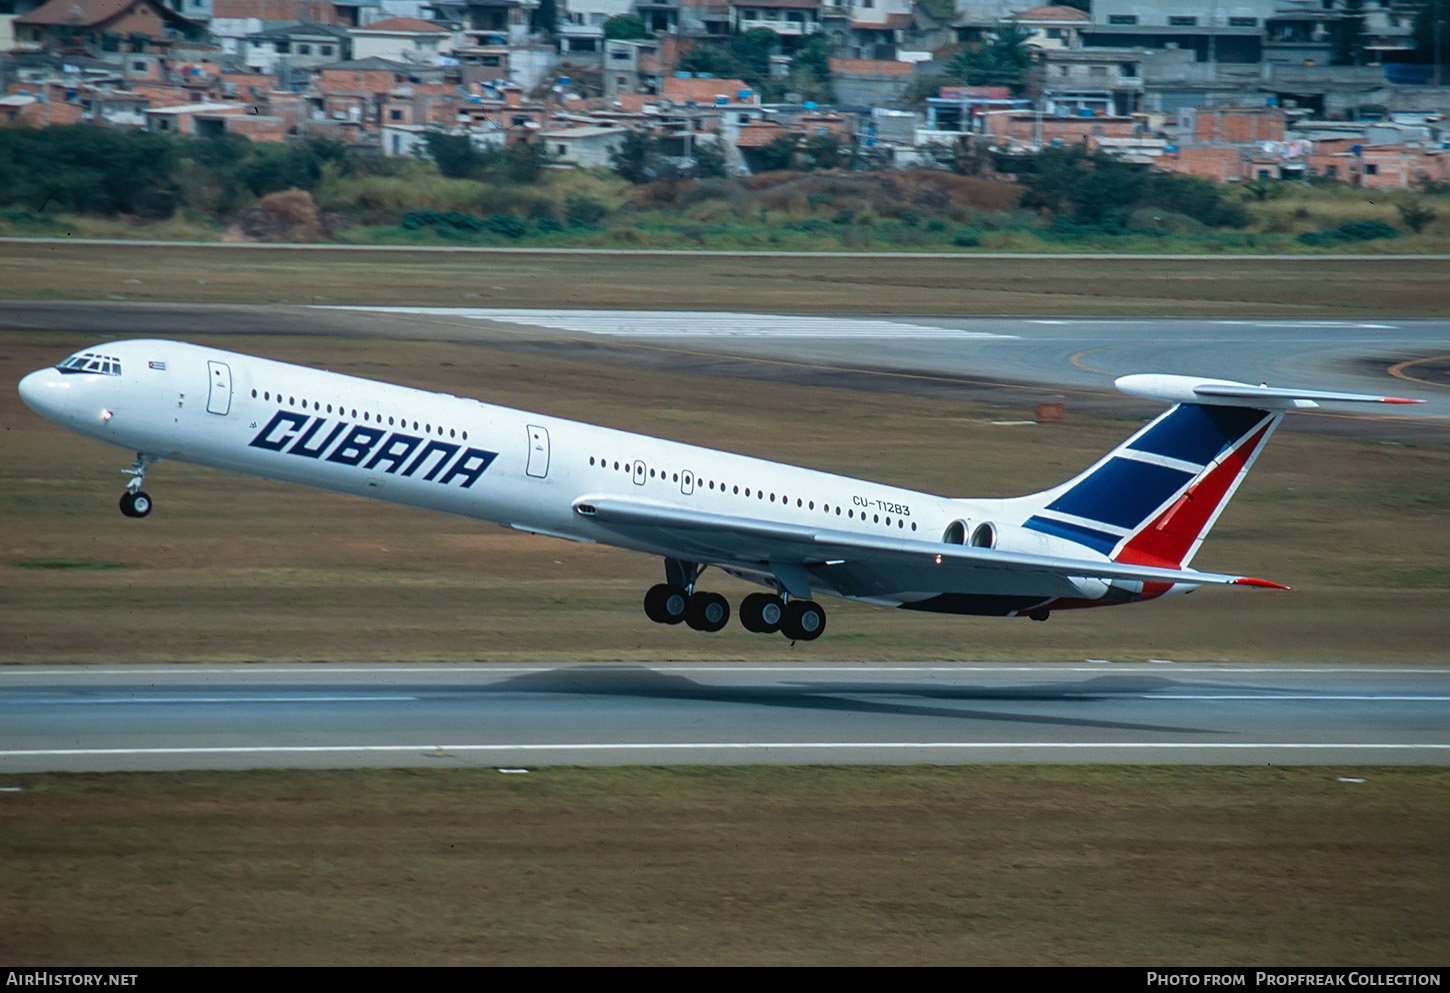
(91, 362)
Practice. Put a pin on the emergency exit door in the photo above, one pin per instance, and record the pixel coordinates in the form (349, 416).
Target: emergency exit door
(538, 451)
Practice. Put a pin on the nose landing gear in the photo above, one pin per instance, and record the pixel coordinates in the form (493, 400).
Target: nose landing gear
(135, 503)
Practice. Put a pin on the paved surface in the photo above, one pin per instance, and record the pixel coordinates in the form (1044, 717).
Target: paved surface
(1012, 361)
(187, 717)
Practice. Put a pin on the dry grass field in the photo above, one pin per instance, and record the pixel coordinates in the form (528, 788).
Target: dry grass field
(715, 866)
(1225, 286)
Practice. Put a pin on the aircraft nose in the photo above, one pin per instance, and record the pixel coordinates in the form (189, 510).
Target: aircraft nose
(46, 392)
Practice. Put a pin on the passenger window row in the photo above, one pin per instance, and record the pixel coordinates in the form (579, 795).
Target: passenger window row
(367, 416)
(735, 490)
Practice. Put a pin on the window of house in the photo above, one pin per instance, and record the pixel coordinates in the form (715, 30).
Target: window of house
(1097, 70)
(283, 47)
(1182, 22)
(326, 49)
(1122, 18)
(1371, 169)
(561, 149)
(395, 114)
(304, 49)
(1243, 22)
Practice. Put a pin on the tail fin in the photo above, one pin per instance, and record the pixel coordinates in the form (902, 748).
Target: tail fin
(1153, 499)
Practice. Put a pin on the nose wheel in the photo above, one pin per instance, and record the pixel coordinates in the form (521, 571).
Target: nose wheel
(134, 502)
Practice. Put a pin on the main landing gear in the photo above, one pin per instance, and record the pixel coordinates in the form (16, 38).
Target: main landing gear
(135, 503)
(677, 600)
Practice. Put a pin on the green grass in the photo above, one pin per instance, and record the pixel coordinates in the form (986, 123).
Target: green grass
(64, 564)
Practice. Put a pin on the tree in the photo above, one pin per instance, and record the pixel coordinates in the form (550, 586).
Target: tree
(824, 151)
(709, 159)
(454, 154)
(1416, 216)
(625, 27)
(778, 155)
(810, 69)
(745, 56)
(711, 59)
(1100, 190)
(524, 161)
(1002, 60)
(636, 158)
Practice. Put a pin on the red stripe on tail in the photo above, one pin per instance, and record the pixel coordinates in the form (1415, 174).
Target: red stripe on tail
(1168, 538)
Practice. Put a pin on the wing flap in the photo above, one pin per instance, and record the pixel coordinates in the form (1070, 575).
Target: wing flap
(875, 565)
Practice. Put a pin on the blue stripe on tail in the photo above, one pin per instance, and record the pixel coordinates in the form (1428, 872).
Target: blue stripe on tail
(1197, 433)
(1123, 492)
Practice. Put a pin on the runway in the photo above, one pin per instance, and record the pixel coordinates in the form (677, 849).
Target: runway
(1009, 360)
(106, 718)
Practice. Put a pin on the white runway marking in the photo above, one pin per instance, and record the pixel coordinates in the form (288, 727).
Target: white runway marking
(181, 697)
(665, 323)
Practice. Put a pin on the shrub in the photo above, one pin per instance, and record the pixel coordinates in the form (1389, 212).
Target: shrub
(1415, 216)
(1353, 231)
(507, 225)
(584, 212)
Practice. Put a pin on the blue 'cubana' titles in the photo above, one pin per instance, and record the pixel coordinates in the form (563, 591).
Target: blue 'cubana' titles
(372, 448)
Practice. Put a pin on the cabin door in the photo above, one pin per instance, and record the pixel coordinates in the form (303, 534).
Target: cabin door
(219, 393)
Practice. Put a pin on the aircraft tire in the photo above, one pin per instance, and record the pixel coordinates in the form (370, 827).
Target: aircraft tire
(666, 604)
(135, 504)
(708, 612)
(804, 620)
(761, 613)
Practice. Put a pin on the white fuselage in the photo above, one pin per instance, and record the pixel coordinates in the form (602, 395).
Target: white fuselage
(523, 470)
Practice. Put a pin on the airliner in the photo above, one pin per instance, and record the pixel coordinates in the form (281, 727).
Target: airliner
(1122, 531)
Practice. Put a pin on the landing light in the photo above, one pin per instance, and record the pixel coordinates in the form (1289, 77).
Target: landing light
(105, 415)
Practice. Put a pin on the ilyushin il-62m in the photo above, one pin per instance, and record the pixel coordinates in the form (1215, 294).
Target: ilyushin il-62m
(1122, 531)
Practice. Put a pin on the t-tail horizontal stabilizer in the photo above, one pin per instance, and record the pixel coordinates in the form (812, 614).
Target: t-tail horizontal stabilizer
(1227, 393)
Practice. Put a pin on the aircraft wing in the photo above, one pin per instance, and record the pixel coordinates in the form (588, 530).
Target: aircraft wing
(861, 565)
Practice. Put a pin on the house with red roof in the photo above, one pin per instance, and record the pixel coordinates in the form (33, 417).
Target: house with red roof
(97, 26)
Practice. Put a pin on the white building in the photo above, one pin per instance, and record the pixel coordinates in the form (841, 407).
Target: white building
(402, 39)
